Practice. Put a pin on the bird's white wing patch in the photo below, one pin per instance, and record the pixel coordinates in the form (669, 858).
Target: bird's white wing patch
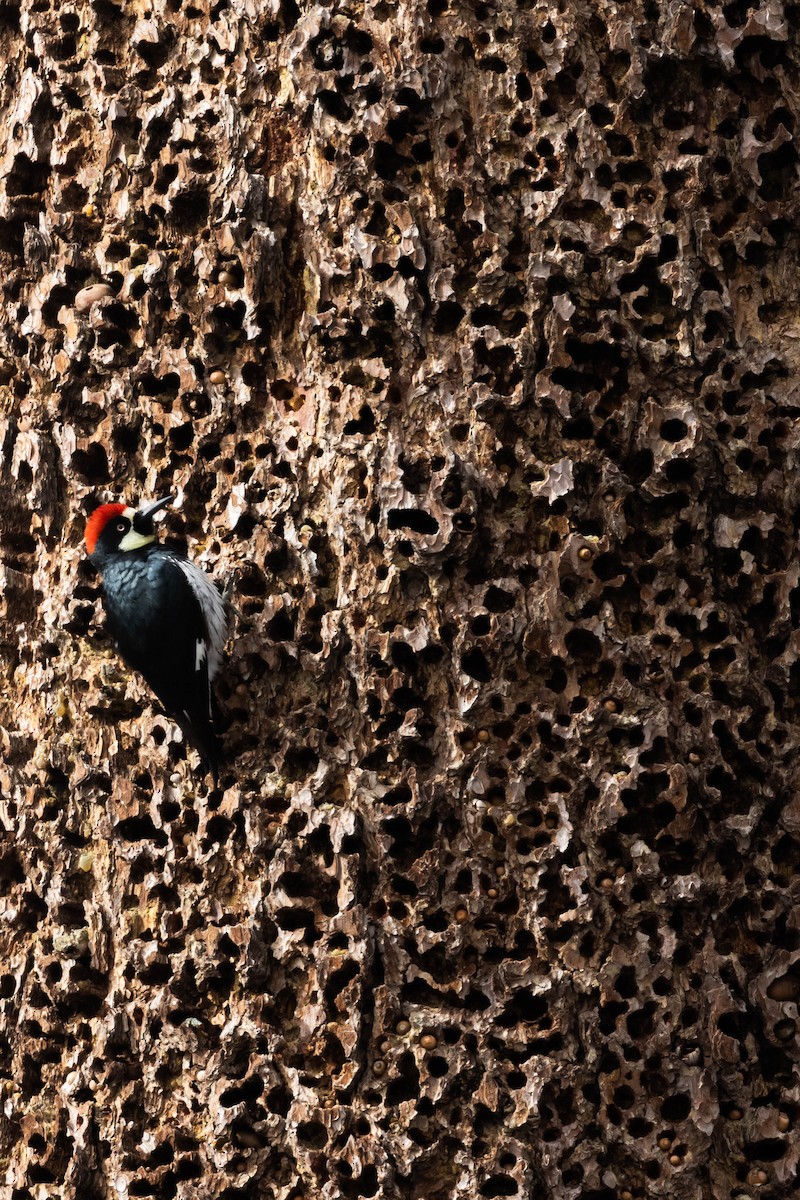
(200, 654)
(215, 616)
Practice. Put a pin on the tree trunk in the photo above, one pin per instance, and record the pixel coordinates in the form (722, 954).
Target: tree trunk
(466, 340)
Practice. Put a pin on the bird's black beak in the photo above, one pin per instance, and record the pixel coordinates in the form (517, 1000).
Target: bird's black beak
(143, 520)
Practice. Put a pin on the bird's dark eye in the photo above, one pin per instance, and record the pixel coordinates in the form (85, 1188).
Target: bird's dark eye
(122, 526)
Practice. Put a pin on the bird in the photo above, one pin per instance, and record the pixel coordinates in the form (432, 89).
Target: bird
(166, 616)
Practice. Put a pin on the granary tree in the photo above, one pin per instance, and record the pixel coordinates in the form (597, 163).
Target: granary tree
(464, 337)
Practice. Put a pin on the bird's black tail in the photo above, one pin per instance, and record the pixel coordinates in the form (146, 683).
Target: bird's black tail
(198, 730)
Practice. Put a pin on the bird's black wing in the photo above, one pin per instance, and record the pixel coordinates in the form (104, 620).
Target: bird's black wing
(157, 621)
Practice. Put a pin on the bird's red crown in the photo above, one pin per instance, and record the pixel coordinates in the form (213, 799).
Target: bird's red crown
(98, 521)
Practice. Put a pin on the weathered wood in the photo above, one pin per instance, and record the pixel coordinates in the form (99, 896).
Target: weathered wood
(466, 337)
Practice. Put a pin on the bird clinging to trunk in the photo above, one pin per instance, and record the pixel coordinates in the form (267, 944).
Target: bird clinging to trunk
(166, 616)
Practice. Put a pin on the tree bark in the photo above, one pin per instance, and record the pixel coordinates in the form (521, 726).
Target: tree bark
(466, 339)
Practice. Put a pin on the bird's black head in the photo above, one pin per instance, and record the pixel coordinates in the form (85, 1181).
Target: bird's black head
(115, 528)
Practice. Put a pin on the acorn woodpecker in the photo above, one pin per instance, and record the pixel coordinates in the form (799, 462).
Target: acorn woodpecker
(166, 616)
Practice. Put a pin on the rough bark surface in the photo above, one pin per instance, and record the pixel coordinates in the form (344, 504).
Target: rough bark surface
(466, 337)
